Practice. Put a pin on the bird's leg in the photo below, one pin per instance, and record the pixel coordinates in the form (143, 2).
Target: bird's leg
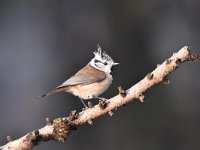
(102, 102)
(83, 103)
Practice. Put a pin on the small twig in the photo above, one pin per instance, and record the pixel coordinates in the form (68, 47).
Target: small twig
(60, 128)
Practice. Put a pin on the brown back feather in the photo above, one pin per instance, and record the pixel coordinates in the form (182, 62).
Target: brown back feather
(87, 75)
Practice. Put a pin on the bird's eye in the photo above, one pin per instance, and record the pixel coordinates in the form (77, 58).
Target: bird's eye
(96, 61)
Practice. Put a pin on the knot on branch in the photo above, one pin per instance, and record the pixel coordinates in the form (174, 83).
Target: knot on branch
(178, 62)
(150, 76)
(48, 121)
(9, 138)
(73, 115)
(122, 92)
(168, 61)
(193, 57)
(102, 103)
(34, 137)
(141, 97)
(166, 81)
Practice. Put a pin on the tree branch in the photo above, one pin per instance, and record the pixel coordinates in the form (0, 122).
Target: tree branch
(60, 128)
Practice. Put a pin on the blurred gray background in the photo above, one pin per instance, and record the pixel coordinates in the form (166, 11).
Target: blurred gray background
(44, 42)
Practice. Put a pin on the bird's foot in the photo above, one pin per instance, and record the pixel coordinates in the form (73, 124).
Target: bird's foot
(84, 104)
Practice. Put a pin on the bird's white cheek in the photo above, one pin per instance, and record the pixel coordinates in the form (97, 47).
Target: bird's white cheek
(107, 69)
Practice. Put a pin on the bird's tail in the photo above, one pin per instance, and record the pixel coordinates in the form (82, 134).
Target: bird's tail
(56, 90)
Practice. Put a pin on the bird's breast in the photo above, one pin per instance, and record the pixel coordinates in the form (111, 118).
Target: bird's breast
(91, 90)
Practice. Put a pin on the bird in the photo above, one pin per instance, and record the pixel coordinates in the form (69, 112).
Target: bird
(90, 81)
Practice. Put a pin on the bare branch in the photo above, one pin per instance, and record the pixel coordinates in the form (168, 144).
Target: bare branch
(60, 128)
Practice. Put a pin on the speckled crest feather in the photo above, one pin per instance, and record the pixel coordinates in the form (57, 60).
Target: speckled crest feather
(102, 55)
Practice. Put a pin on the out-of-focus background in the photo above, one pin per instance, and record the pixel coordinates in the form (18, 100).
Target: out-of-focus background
(42, 43)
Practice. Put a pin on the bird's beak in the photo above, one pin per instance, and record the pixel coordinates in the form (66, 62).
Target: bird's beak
(115, 64)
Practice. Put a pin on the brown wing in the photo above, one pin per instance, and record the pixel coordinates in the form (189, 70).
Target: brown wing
(86, 75)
